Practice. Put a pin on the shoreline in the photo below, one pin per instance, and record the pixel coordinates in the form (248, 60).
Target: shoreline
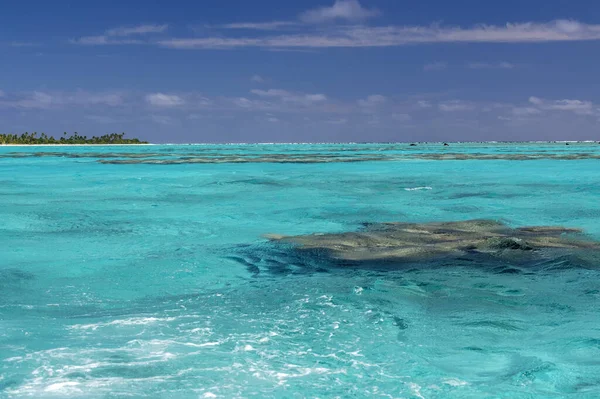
(306, 143)
(73, 145)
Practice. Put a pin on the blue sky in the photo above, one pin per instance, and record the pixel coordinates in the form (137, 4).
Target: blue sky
(303, 71)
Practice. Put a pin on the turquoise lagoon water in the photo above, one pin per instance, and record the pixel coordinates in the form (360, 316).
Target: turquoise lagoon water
(143, 272)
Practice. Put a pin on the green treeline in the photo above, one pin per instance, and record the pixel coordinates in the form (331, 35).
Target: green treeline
(75, 138)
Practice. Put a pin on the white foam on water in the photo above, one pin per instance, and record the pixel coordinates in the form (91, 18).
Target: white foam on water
(204, 345)
(134, 321)
(455, 382)
(418, 188)
(62, 386)
(59, 388)
(416, 390)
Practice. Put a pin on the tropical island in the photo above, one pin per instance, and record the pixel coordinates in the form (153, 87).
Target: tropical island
(75, 138)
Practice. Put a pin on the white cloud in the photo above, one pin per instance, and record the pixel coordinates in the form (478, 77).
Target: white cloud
(536, 100)
(455, 106)
(315, 98)
(484, 65)
(38, 100)
(373, 100)
(525, 111)
(204, 101)
(386, 36)
(137, 30)
(271, 93)
(257, 79)
(349, 10)
(276, 107)
(243, 102)
(164, 100)
(436, 66)
(117, 35)
(286, 96)
(101, 40)
(275, 25)
(577, 106)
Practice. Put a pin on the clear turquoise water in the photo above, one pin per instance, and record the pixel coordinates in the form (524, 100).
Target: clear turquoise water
(153, 280)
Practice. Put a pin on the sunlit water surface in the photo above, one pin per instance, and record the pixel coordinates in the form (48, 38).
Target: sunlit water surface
(152, 279)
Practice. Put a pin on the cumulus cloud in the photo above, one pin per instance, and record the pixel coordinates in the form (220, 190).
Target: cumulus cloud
(248, 104)
(348, 10)
(290, 107)
(286, 96)
(373, 100)
(455, 106)
(257, 79)
(164, 100)
(577, 106)
(272, 93)
(536, 100)
(315, 98)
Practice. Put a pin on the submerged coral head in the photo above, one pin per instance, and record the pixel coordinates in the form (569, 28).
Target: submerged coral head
(397, 242)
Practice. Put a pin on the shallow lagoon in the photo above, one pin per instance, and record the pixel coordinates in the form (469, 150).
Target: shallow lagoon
(151, 277)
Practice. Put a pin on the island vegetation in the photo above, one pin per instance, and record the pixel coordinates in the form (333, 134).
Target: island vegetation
(75, 138)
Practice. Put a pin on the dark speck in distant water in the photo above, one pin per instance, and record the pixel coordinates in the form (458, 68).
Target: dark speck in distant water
(446, 144)
(473, 348)
(567, 144)
(400, 323)
(413, 145)
(13, 275)
(508, 270)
